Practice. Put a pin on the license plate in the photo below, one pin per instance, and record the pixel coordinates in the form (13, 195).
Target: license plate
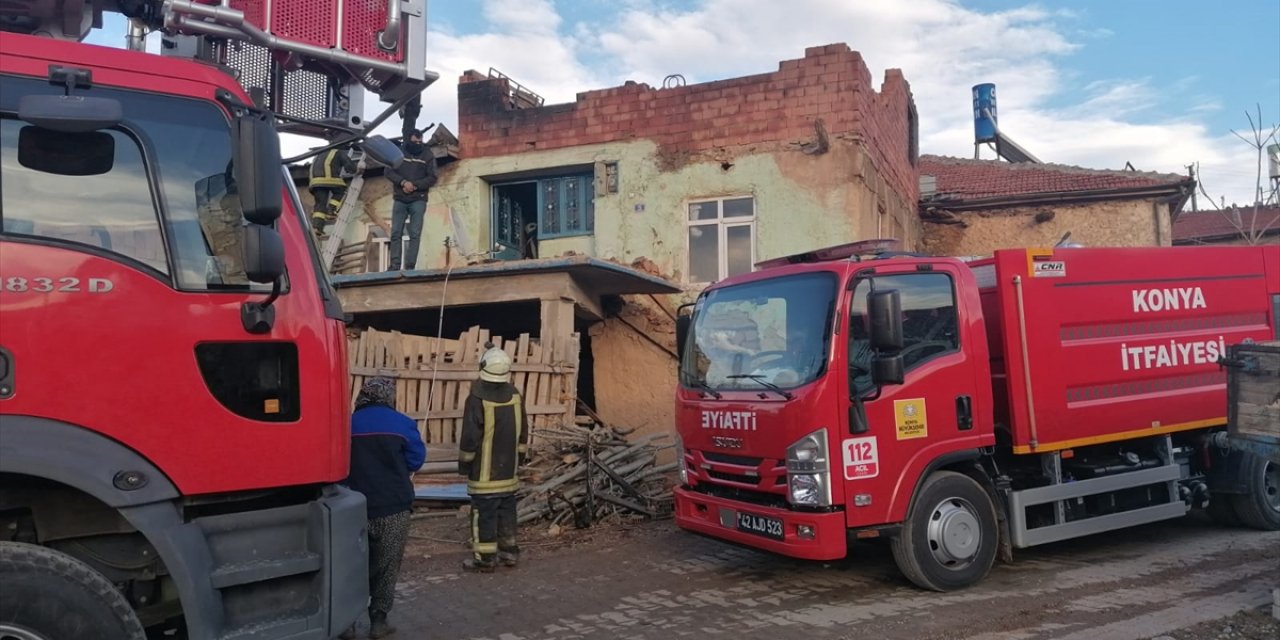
(760, 525)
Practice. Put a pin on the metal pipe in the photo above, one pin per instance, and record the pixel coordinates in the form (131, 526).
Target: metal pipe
(1026, 361)
(389, 38)
(135, 38)
(230, 24)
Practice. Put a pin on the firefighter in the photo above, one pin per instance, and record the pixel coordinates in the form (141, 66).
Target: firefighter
(495, 435)
(328, 186)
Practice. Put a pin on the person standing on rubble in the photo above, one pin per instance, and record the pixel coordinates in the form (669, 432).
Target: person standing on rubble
(386, 450)
(409, 185)
(328, 186)
(495, 436)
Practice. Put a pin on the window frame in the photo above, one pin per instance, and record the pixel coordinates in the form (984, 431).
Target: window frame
(849, 319)
(586, 200)
(722, 224)
(152, 165)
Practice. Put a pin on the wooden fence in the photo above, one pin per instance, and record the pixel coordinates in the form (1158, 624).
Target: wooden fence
(433, 376)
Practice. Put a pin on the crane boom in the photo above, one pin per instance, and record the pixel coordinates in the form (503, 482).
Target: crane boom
(308, 61)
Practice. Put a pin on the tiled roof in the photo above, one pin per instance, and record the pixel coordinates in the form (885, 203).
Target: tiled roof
(959, 179)
(1209, 225)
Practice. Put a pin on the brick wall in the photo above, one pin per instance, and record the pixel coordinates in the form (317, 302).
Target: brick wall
(771, 110)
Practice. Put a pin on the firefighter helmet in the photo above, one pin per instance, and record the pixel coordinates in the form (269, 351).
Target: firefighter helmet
(495, 365)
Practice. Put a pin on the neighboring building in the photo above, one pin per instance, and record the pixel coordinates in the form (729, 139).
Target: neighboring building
(1237, 225)
(973, 207)
(694, 183)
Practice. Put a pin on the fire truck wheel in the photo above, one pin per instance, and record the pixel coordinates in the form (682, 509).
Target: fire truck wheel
(1260, 507)
(949, 539)
(49, 595)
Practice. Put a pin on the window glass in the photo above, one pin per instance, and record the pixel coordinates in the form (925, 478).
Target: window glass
(704, 253)
(113, 211)
(929, 322)
(721, 238)
(189, 144)
(738, 247)
(775, 331)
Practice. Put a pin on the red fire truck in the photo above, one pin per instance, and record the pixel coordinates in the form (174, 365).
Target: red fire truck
(964, 409)
(174, 414)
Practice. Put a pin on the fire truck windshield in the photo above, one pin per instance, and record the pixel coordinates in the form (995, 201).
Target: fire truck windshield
(157, 192)
(755, 335)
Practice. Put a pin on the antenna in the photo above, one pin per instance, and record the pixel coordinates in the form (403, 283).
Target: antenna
(986, 131)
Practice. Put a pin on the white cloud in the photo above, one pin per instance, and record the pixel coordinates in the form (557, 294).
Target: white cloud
(943, 48)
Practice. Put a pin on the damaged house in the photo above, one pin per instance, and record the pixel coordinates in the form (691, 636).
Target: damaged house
(579, 227)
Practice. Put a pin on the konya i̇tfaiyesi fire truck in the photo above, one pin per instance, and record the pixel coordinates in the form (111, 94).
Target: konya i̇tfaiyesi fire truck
(174, 399)
(967, 409)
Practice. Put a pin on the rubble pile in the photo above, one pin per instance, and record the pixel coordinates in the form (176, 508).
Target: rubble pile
(580, 474)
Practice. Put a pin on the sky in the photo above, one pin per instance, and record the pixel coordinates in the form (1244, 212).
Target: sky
(1158, 84)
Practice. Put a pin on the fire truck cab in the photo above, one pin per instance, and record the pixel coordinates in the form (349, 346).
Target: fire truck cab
(174, 399)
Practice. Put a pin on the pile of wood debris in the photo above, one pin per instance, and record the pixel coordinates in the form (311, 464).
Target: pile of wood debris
(581, 474)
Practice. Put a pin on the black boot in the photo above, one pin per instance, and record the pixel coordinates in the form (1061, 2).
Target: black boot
(508, 558)
(349, 634)
(480, 565)
(378, 625)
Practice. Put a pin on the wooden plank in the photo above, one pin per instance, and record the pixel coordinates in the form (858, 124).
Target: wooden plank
(455, 372)
(423, 295)
(456, 414)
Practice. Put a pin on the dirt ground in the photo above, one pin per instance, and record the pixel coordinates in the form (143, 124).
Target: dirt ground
(1182, 580)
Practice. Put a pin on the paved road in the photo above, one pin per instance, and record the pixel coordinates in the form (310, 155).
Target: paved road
(656, 582)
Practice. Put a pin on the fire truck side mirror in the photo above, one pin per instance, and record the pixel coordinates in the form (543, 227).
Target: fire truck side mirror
(888, 370)
(885, 309)
(684, 320)
(263, 253)
(383, 151)
(256, 157)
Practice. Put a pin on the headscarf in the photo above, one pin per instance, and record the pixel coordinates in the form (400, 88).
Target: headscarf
(378, 390)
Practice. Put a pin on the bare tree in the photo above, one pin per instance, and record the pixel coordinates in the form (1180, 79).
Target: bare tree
(1247, 220)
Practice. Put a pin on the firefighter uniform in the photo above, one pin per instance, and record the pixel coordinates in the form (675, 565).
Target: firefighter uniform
(495, 436)
(328, 186)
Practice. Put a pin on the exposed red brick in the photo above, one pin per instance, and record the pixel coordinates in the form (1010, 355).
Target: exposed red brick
(831, 82)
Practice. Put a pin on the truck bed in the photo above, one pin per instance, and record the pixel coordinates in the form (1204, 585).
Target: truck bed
(1097, 345)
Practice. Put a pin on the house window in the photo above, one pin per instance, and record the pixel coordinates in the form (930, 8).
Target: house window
(527, 211)
(721, 238)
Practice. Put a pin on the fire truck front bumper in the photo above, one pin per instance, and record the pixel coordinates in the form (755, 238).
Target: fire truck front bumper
(797, 534)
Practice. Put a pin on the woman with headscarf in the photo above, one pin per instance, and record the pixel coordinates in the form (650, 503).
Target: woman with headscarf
(386, 449)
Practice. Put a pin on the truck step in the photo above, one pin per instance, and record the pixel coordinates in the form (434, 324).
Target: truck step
(262, 570)
(1019, 501)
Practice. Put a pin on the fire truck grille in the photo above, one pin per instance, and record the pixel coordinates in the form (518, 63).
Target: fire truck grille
(728, 459)
(774, 500)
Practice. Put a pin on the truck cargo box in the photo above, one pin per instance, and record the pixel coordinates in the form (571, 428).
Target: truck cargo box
(1098, 345)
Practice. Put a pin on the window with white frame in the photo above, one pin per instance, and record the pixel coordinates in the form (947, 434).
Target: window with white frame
(721, 239)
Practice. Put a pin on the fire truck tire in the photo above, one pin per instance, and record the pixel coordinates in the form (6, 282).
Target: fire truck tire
(1260, 507)
(49, 595)
(950, 538)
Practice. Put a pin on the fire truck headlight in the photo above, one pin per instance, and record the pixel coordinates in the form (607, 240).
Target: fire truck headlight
(808, 454)
(808, 489)
(808, 473)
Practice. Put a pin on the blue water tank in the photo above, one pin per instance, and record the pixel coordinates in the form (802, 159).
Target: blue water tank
(984, 112)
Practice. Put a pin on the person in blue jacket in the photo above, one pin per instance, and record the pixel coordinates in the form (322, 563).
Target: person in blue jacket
(386, 450)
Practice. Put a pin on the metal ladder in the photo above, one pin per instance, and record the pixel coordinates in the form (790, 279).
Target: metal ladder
(346, 212)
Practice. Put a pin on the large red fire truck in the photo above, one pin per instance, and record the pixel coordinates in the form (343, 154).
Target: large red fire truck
(964, 409)
(173, 390)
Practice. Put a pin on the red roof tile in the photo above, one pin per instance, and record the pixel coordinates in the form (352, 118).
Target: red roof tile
(1209, 225)
(960, 179)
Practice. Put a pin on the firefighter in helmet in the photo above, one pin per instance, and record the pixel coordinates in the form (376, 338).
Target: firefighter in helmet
(328, 185)
(495, 434)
